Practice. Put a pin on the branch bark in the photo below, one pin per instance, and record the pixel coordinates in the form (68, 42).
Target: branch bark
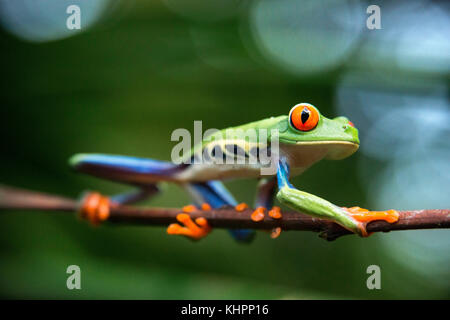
(225, 217)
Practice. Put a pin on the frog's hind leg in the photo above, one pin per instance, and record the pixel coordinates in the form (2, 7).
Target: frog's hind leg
(216, 195)
(95, 207)
(140, 172)
(131, 170)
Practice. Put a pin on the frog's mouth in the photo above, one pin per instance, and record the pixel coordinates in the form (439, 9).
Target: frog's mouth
(335, 150)
(332, 149)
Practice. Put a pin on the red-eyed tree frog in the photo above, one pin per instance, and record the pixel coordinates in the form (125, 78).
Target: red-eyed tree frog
(304, 137)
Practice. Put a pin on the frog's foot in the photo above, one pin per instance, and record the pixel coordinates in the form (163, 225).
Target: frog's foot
(95, 207)
(364, 216)
(275, 213)
(194, 230)
(258, 214)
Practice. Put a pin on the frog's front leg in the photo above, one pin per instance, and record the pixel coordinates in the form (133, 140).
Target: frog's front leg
(354, 219)
(141, 172)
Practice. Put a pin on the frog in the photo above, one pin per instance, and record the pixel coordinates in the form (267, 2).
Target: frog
(289, 144)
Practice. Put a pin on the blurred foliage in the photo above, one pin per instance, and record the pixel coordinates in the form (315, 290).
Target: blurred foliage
(123, 87)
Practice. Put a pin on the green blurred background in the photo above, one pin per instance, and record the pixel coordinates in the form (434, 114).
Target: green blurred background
(138, 70)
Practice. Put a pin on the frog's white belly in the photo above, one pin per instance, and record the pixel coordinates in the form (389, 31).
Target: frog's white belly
(206, 172)
(211, 171)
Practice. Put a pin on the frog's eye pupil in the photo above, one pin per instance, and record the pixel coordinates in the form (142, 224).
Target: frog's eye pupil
(305, 115)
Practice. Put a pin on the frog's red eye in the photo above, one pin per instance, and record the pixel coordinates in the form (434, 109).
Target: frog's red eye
(304, 117)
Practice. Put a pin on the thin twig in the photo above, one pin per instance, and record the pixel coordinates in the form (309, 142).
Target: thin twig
(225, 217)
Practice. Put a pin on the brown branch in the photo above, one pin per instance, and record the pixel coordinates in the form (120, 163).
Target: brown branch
(226, 217)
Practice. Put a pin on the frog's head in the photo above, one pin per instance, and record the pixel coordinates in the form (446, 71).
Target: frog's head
(306, 127)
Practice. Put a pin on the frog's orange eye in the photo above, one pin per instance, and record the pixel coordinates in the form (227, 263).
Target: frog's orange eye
(304, 117)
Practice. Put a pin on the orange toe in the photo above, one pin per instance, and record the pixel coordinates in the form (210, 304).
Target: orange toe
(194, 230)
(174, 228)
(275, 233)
(275, 213)
(258, 214)
(241, 207)
(206, 207)
(103, 209)
(202, 222)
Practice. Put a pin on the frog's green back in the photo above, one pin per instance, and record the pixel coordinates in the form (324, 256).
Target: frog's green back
(301, 146)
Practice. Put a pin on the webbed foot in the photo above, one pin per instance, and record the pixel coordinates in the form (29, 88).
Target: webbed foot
(193, 230)
(95, 207)
(364, 216)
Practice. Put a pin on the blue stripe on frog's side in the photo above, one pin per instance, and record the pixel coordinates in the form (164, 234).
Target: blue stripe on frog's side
(132, 164)
(138, 171)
